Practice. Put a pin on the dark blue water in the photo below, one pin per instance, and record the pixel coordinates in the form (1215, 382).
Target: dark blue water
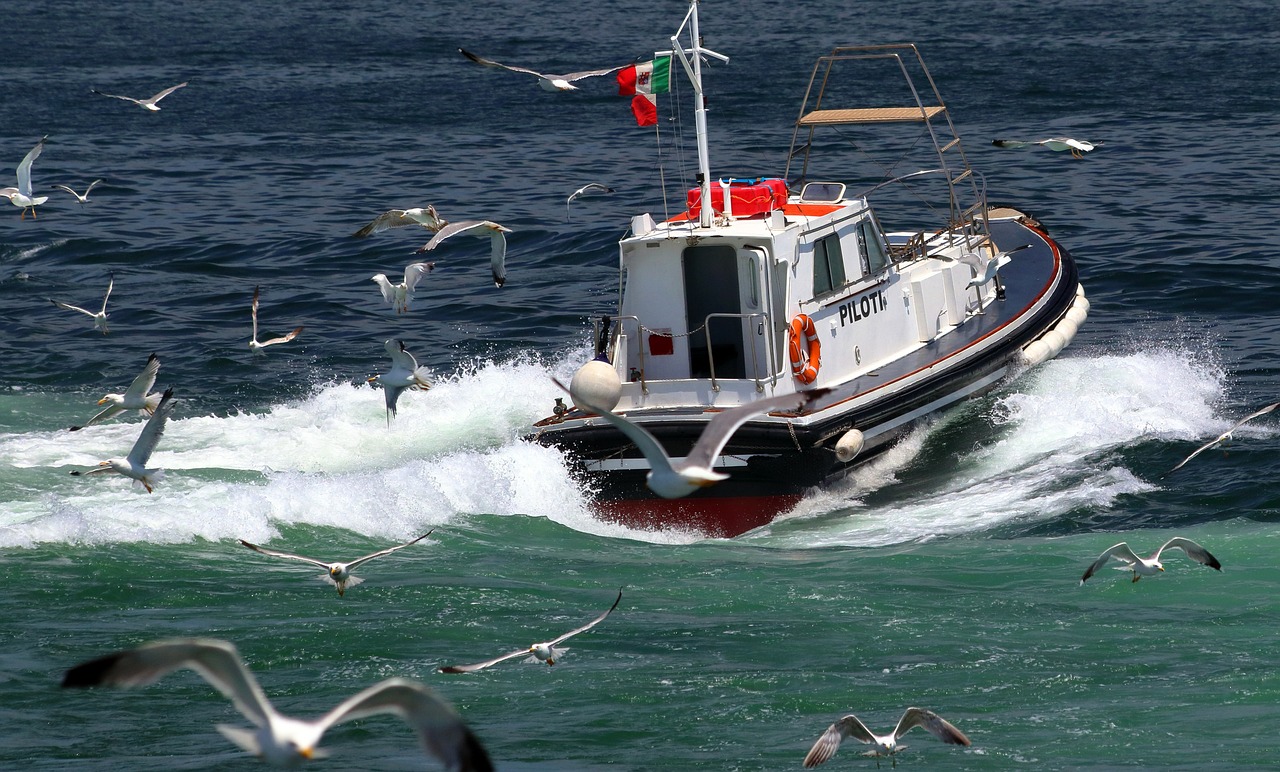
(944, 575)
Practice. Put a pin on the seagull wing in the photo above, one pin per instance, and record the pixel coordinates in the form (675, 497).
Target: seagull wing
(285, 555)
(491, 63)
(384, 284)
(1120, 551)
(646, 442)
(588, 625)
(152, 431)
(934, 724)
(145, 380)
(111, 412)
(723, 425)
(69, 190)
(282, 339)
(387, 551)
(92, 185)
(392, 218)
(414, 272)
(24, 168)
(498, 257)
(1198, 451)
(1252, 416)
(216, 661)
(111, 284)
(439, 728)
(69, 307)
(591, 187)
(829, 742)
(1012, 143)
(1194, 551)
(116, 96)
(255, 312)
(485, 664)
(400, 356)
(591, 73)
(165, 93)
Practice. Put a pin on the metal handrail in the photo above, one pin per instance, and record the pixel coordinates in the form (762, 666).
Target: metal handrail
(711, 357)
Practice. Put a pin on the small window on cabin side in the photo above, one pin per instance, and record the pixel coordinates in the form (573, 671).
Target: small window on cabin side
(828, 265)
(871, 249)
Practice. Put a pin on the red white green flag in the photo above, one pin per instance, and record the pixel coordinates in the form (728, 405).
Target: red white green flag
(642, 82)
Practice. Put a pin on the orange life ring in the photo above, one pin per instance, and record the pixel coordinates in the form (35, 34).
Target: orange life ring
(805, 349)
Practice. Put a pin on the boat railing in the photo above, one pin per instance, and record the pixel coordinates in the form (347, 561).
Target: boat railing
(637, 374)
(755, 362)
(619, 331)
(971, 230)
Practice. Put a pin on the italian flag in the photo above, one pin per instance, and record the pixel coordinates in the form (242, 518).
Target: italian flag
(642, 82)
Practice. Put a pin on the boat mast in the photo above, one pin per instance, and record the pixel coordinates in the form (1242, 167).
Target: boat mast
(692, 62)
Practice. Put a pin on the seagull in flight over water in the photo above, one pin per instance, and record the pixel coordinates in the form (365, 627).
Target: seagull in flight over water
(257, 347)
(479, 229)
(591, 188)
(882, 745)
(404, 374)
(337, 574)
(134, 466)
(425, 217)
(1078, 147)
(278, 739)
(134, 398)
(399, 295)
(546, 81)
(83, 198)
(1151, 566)
(22, 196)
(673, 480)
(546, 651)
(100, 317)
(1225, 437)
(149, 103)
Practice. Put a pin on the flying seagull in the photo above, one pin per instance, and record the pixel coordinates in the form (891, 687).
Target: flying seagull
(1151, 566)
(399, 295)
(479, 229)
(547, 651)
(134, 398)
(1078, 147)
(425, 217)
(151, 103)
(882, 745)
(546, 81)
(279, 739)
(100, 317)
(337, 574)
(985, 269)
(81, 197)
(1225, 437)
(22, 196)
(674, 480)
(134, 466)
(591, 188)
(257, 347)
(404, 374)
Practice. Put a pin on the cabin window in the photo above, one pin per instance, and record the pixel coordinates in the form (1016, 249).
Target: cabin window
(871, 248)
(828, 264)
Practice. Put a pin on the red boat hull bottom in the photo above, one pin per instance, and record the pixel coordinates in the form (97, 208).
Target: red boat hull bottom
(716, 517)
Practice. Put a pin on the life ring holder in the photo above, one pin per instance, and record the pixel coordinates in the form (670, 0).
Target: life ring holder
(805, 349)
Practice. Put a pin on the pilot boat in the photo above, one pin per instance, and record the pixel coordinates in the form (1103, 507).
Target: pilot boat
(766, 286)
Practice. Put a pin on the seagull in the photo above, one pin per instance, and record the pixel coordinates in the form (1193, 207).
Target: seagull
(99, 318)
(984, 270)
(586, 190)
(257, 347)
(404, 374)
(397, 218)
(547, 652)
(279, 739)
(547, 82)
(337, 574)
(1225, 437)
(1078, 147)
(22, 196)
(1151, 566)
(882, 745)
(81, 197)
(150, 104)
(400, 294)
(674, 480)
(135, 465)
(134, 398)
(478, 228)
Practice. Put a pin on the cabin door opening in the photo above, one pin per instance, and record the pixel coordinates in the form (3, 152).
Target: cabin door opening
(711, 287)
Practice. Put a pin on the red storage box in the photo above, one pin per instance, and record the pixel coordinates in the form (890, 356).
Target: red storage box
(749, 197)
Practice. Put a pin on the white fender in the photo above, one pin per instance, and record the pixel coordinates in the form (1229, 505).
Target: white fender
(596, 382)
(849, 445)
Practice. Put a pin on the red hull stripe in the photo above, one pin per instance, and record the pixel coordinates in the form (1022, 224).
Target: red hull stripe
(716, 517)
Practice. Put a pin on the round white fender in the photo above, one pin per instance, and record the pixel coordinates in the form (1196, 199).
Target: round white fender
(849, 445)
(596, 382)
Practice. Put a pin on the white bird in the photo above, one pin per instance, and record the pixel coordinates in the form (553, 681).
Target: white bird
(257, 347)
(425, 217)
(337, 574)
(985, 269)
(591, 188)
(547, 651)
(279, 739)
(150, 103)
(134, 398)
(674, 480)
(100, 317)
(23, 196)
(399, 295)
(134, 466)
(404, 374)
(546, 81)
(1225, 437)
(1151, 566)
(882, 745)
(81, 197)
(479, 229)
(1078, 147)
